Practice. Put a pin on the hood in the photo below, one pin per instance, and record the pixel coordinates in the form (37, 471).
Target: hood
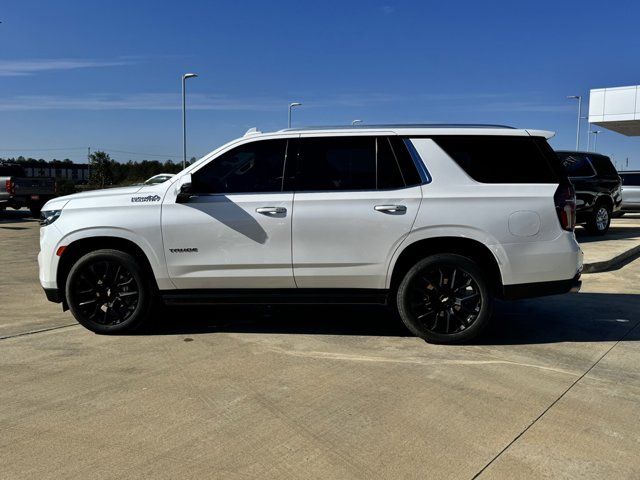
(59, 202)
(105, 192)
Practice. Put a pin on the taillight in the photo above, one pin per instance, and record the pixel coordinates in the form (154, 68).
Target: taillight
(565, 200)
(9, 186)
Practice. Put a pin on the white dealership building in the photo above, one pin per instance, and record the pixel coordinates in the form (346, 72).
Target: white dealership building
(616, 109)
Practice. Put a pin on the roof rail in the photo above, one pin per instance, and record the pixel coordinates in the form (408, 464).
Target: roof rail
(398, 125)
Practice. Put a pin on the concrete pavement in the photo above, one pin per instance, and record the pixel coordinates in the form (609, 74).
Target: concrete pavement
(553, 390)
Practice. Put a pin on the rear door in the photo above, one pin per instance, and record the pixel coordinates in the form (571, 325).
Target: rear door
(353, 205)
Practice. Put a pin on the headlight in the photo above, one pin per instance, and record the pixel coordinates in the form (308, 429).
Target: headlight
(47, 217)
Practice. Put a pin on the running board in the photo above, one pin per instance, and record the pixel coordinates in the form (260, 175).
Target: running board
(275, 296)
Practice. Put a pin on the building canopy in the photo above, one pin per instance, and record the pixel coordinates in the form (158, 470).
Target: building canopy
(616, 109)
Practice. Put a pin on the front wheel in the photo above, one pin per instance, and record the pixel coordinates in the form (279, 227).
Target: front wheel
(108, 293)
(600, 220)
(445, 298)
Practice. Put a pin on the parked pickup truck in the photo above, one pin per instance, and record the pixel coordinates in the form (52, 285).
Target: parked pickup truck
(17, 190)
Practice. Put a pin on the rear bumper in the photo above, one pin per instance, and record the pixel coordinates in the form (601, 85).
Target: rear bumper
(541, 289)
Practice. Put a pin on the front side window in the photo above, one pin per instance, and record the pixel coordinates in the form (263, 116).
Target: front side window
(254, 167)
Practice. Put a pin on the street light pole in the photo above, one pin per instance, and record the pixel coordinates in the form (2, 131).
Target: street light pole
(291, 105)
(595, 139)
(579, 98)
(184, 118)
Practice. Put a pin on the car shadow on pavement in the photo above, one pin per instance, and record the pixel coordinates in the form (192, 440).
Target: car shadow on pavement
(15, 216)
(616, 232)
(585, 317)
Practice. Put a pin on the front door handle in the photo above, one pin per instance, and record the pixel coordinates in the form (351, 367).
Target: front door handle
(390, 208)
(271, 210)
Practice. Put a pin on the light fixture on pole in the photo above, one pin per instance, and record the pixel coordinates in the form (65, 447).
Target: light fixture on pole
(184, 119)
(355, 122)
(291, 105)
(579, 98)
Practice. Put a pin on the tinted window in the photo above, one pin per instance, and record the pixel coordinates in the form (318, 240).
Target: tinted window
(349, 163)
(388, 172)
(603, 165)
(630, 179)
(334, 163)
(253, 167)
(405, 161)
(500, 159)
(576, 165)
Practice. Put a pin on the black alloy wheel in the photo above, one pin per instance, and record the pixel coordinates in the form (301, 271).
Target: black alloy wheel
(445, 299)
(106, 292)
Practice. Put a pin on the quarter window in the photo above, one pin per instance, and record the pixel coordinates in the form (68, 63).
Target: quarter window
(576, 165)
(500, 158)
(250, 168)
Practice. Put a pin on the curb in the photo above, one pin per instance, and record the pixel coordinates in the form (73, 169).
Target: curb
(612, 264)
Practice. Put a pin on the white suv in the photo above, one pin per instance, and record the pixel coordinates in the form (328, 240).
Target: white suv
(434, 220)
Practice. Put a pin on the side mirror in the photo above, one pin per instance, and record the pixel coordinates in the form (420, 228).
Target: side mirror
(183, 189)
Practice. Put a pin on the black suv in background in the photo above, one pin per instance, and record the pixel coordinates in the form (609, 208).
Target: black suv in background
(598, 188)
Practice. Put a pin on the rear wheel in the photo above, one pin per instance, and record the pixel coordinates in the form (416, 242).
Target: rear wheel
(600, 219)
(108, 293)
(445, 298)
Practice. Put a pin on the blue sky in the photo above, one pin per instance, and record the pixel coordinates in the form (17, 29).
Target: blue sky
(107, 74)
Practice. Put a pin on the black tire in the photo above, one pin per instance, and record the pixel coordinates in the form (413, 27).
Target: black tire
(94, 303)
(599, 220)
(35, 210)
(437, 309)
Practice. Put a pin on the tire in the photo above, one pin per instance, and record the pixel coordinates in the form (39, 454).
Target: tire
(35, 210)
(599, 220)
(94, 303)
(431, 309)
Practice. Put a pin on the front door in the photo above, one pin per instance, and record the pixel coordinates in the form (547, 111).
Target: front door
(235, 230)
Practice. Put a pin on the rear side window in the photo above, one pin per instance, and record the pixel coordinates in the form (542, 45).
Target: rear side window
(348, 164)
(576, 165)
(252, 167)
(630, 179)
(603, 165)
(501, 159)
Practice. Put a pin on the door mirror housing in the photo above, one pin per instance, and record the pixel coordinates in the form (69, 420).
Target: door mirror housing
(183, 189)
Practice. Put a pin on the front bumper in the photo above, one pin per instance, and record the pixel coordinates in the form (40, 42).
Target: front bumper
(541, 289)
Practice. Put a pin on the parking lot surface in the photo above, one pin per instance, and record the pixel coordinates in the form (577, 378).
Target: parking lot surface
(552, 390)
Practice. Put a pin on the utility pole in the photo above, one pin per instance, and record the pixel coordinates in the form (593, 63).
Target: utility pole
(88, 163)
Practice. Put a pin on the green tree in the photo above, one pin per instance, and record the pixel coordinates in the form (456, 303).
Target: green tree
(100, 168)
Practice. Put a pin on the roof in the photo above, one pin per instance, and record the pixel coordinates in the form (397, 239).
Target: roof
(411, 129)
(398, 125)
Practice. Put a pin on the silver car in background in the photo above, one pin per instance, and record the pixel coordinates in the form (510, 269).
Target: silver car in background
(630, 192)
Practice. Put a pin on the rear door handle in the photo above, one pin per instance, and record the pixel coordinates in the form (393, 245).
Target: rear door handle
(390, 208)
(271, 210)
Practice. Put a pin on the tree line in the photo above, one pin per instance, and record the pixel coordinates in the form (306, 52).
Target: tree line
(105, 171)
